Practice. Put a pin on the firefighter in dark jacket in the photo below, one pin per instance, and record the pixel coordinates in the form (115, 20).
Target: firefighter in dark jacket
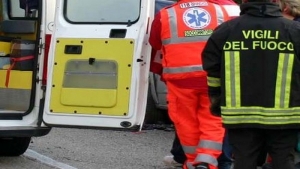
(253, 67)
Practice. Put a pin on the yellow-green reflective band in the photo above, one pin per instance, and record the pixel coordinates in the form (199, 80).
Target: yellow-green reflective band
(213, 82)
(283, 81)
(232, 78)
(261, 120)
(261, 111)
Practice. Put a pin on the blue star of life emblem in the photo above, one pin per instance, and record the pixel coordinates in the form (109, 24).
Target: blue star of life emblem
(196, 18)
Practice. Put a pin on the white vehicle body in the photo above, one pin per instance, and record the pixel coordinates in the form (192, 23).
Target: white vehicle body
(95, 74)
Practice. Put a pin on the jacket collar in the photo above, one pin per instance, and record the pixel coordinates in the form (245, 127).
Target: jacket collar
(261, 9)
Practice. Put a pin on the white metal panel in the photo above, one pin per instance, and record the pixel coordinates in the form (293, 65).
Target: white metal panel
(139, 82)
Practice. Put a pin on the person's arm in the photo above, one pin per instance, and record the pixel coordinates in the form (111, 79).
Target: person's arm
(294, 34)
(155, 42)
(155, 38)
(211, 58)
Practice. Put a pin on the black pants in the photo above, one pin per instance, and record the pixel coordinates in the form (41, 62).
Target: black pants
(177, 150)
(247, 145)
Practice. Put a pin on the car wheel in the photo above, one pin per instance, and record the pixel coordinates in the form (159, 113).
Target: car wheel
(14, 146)
(153, 114)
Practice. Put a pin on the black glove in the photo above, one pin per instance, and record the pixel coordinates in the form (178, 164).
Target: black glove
(215, 106)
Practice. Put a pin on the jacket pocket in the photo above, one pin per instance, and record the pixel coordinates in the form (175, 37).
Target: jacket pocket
(172, 108)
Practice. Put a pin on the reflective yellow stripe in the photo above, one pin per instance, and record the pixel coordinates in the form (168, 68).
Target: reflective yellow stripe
(261, 115)
(213, 82)
(261, 111)
(232, 79)
(283, 81)
(260, 119)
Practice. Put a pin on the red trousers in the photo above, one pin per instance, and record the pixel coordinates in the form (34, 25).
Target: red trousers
(200, 133)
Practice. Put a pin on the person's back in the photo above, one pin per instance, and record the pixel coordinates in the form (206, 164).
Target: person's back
(186, 26)
(290, 10)
(260, 45)
(253, 66)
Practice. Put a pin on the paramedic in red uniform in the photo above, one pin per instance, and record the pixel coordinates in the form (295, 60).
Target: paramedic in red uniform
(180, 31)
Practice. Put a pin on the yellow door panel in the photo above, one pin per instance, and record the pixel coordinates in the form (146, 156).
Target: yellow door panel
(5, 48)
(17, 79)
(88, 97)
(92, 76)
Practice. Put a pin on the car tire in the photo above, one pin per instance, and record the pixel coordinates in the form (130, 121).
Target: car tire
(153, 114)
(14, 146)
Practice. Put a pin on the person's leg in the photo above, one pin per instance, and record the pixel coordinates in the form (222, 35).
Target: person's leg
(246, 145)
(211, 133)
(182, 111)
(225, 159)
(281, 147)
(177, 151)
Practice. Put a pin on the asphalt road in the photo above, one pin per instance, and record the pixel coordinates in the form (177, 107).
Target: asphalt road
(99, 149)
(94, 149)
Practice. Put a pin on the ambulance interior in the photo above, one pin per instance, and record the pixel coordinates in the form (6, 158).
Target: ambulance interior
(19, 20)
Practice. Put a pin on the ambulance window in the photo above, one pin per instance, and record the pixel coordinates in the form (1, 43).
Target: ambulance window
(23, 8)
(102, 11)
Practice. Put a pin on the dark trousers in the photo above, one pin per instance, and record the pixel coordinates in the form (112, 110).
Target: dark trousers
(224, 160)
(248, 143)
(177, 150)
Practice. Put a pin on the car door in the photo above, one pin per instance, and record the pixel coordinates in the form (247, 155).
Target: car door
(98, 64)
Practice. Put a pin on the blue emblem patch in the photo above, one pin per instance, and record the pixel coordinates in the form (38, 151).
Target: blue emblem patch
(196, 18)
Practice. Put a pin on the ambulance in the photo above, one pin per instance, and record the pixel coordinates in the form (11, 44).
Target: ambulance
(72, 63)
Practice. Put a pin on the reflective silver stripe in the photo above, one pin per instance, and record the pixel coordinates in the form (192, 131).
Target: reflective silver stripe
(183, 69)
(220, 15)
(232, 82)
(189, 149)
(210, 145)
(206, 159)
(190, 165)
(284, 78)
(232, 78)
(174, 39)
(284, 83)
(173, 22)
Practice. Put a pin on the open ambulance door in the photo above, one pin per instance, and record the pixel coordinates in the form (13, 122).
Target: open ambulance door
(98, 64)
(21, 55)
